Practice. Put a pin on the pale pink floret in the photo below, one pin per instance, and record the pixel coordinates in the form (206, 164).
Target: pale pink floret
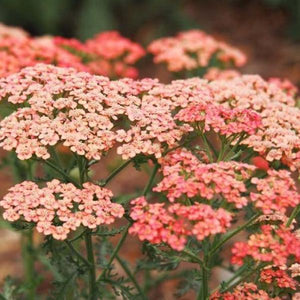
(60, 208)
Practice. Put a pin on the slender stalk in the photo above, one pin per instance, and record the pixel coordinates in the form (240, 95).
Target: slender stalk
(92, 271)
(131, 277)
(82, 258)
(245, 276)
(115, 252)
(293, 215)
(232, 233)
(115, 172)
(203, 294)
(194, 257)
(237, 274)
(207, 147)
(61, 172)
(28, 261)
(150, 182)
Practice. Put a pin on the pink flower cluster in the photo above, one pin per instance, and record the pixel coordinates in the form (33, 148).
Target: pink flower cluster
(278, 138)
(107, 54)
(184, 174)
(172, 225)
(275, 244)
(276, 192)
(82, 111)
(10, 31)
(60, 208)
(278, 278)
(220, 119)
(194, 49)
(215, 73)
(245, 291)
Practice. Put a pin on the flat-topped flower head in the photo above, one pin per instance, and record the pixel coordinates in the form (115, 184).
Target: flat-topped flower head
(173, 224)
(84, 112)
(276, 192)
(60, 208)
(17, 53)
(108, 54)
(194, 49)
(274, 244)
(184, 174)
(278, 137)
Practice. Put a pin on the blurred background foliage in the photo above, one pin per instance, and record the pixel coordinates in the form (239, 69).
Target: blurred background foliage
(133, 18)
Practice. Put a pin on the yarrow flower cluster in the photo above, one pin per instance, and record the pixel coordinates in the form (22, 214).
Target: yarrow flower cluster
(172, 225)
(220, 119)
(278, 138)
(194, 49)
(248, 291)
(184, 174)
(275, 244)
(278, 277)
(107, 53)
(60, 208)
(82, 111)
(276, 192)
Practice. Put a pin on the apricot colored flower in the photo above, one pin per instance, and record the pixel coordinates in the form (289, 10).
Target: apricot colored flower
(60, 208)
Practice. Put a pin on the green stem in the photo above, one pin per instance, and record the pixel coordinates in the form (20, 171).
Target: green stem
(293, 215)
(115, 172)
(83, 259)
(115, 252)
(203, 293)
(207, 147)
(61, 172)
(92, 271)
(246, 275)
(237, 274)
(150, 182)
(194, 257)
(131, 277)
(232, 233)
(28, 261)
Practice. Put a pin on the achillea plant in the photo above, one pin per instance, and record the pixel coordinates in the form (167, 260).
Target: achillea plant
(223, 152)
